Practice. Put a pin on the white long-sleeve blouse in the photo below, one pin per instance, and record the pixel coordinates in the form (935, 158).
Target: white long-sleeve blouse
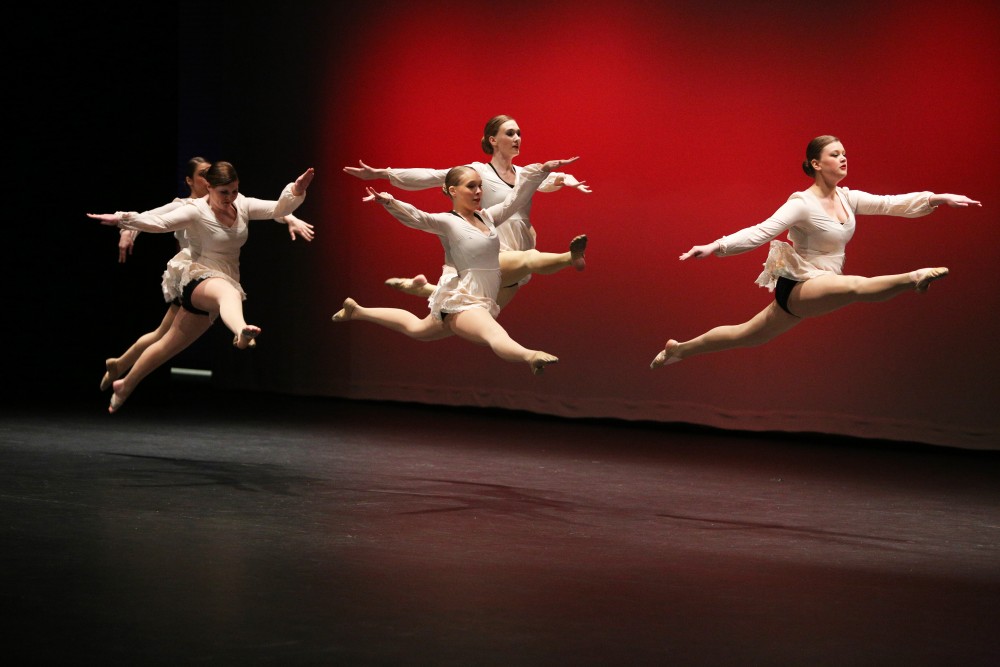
(214, 247)
(474, 254)
(818, 241)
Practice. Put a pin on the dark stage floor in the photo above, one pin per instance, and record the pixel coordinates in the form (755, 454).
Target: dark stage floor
(200, 526)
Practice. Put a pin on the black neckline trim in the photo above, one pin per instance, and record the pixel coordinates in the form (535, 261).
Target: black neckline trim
(509, 185)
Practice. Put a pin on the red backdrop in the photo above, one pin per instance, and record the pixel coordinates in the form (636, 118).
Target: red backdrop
(691, 120)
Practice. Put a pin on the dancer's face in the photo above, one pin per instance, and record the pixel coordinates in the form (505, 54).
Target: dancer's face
(833, 162)
(468, 192)
(198, 183)
(223, 195)
(508, 139)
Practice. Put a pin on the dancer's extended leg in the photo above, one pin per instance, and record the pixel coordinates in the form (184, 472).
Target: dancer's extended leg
(826, 294)
(762, 327)
(184, 330)
(217, 297)
(116, 367)
(478, 326)
(518, 264)
(810, 298)
(403, 321)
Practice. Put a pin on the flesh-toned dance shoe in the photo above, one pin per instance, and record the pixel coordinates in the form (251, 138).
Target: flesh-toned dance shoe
(413, 286)
(345, 313)
(111, 367)
(116, 404)
(540, 361)
(251, 345)
(247, 333)
(666, 355)
(922, 278)
(576, 249)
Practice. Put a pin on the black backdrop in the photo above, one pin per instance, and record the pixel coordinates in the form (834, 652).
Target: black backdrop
(94, 125)
(108, 102)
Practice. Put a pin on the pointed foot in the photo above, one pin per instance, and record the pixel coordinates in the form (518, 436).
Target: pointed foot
(577, 247)
(539, 360)
(118, 397)
(111, 373)
(347, 312)
(245, 339)
(922, 278)
(667, 356)
(415, 285)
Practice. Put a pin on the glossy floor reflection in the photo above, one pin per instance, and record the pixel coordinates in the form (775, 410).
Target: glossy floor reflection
(202, 526)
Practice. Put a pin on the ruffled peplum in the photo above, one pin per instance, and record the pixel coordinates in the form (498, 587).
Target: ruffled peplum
(784, 262)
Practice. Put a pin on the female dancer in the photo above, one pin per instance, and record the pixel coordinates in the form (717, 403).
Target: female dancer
(464, 303)
(806, 276)
(518, 257)
(209, 285)
(198, 186)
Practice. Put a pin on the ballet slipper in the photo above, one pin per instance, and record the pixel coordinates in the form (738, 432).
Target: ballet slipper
(345, 313)
(110, 374)
(666, 356)
(249, 333)
(414, 285)
(117, 400)
(576, 249)
(539, 360)
(922, 278)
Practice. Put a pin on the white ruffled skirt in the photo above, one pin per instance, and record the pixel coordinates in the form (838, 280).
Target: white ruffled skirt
(455, 293)
(784, 262)
(171, 282)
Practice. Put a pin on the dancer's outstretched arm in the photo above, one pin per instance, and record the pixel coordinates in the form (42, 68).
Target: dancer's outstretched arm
(424, 178)
(558, 180)
(955, 201)
(531, 178)
(127, 237)
(297, 227)
(290, 199)
(404, 179)
(701, 251)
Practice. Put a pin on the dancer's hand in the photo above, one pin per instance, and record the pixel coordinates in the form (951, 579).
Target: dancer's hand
(380, 197)
(300, 227)
(366, 173)
(302, 182)
(955, 201)
(125, 241)
(110, 219)
(555, 164)
(701, 251)
(569, 180)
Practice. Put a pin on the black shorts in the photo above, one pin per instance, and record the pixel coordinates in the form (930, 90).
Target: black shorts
(186, 298)
(782, 291)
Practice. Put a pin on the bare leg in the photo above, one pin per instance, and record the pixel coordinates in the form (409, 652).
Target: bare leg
(115, 368)
(478, 326)
(403, 321)
(826, 294)
(518, 264)
(761, 328)
(811, 298)
(184, 330)
(417, 285)
(218, 298)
